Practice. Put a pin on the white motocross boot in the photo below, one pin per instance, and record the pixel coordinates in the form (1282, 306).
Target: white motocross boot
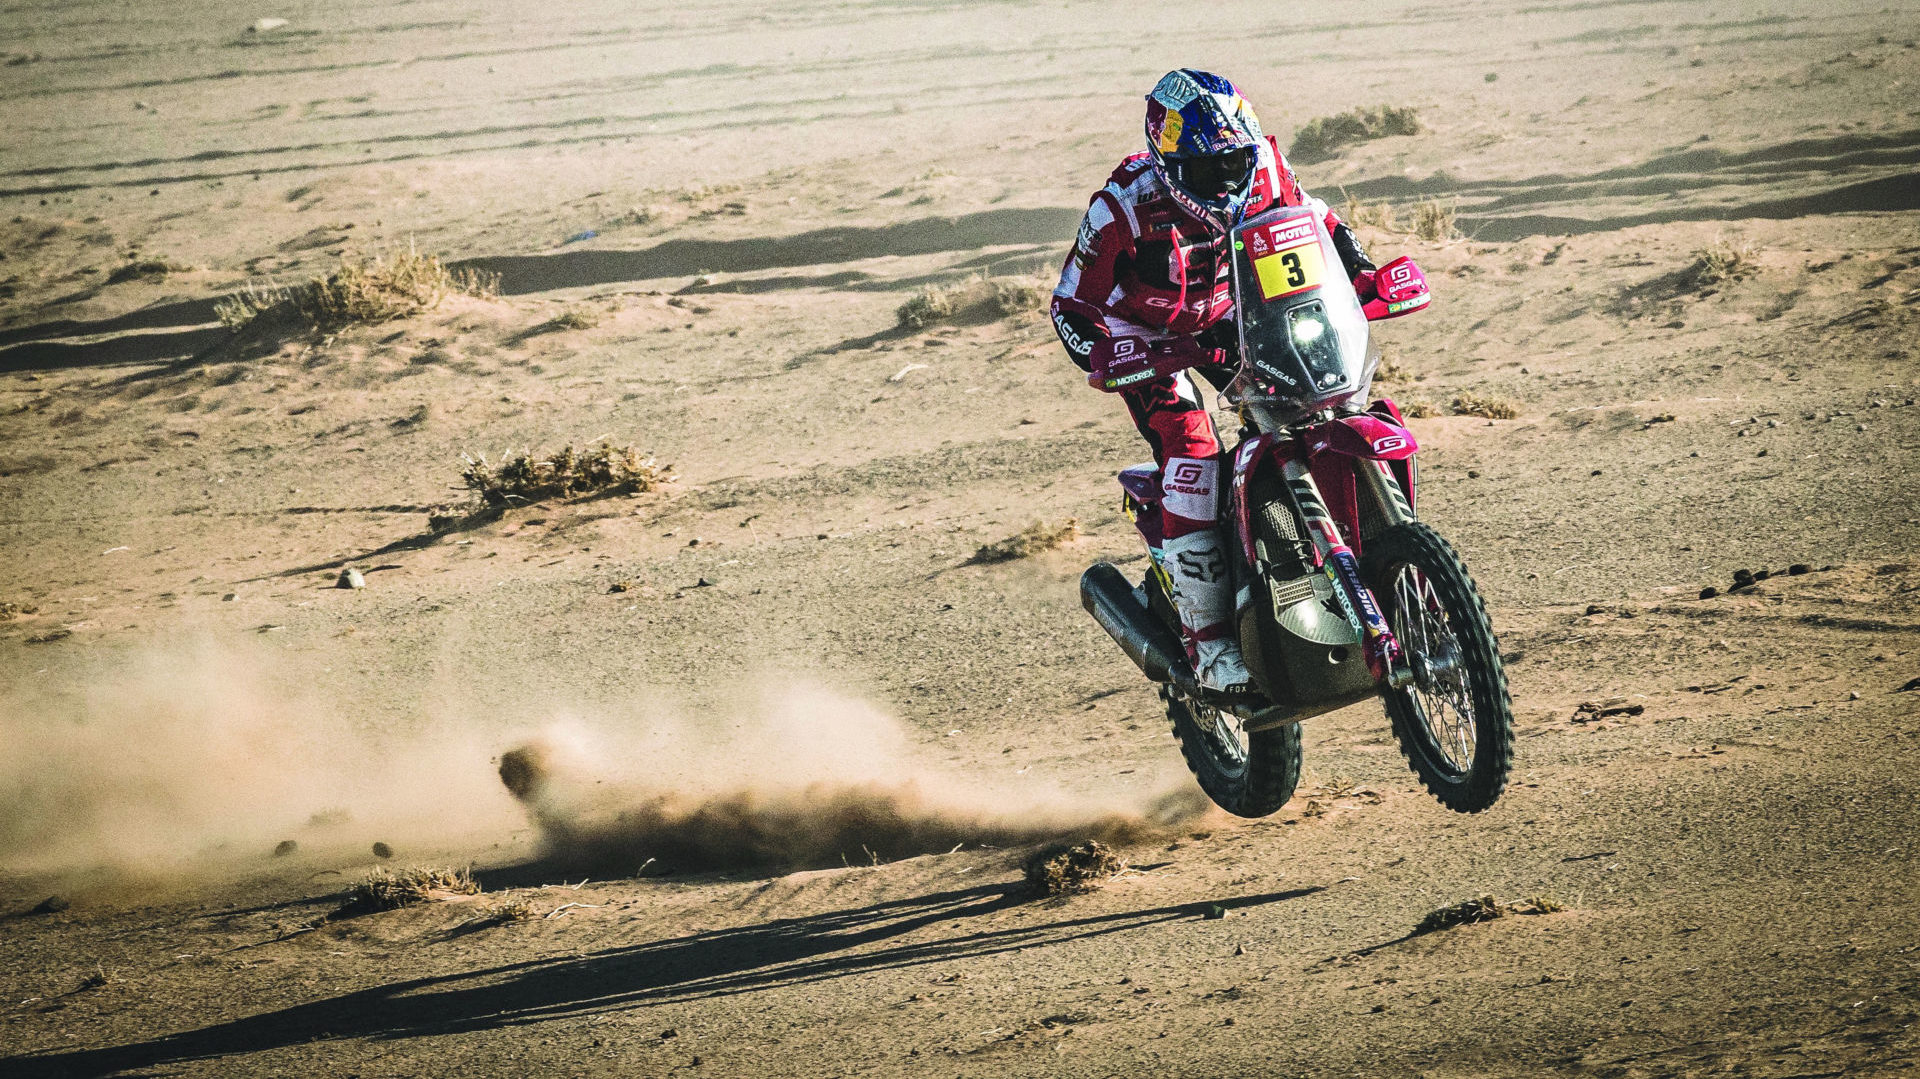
(1198, 568)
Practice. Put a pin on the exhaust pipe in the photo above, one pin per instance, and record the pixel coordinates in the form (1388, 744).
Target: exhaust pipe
(1152, 647)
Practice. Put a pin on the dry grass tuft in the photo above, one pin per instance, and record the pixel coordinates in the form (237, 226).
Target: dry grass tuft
(140, 269)
(1029, 541)
(1433, 221)
(1417, 409)
(1490, 406)
(360, 291)
(1712, 267)
(10, 610)
(1723, 262)
(240, 310)
(513, 910)
(522, 478)
(977, 299)
(387, 889)
(1379, 215)
(1083, 867)
(575, 318)
(1325, 136)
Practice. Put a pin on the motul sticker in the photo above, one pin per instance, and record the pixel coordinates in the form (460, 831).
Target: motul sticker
(1408, 305)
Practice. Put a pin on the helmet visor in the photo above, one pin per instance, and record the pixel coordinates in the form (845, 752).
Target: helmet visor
(1214, 176)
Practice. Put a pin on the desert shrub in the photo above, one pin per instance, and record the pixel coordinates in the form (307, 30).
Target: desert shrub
(1029, 541)
(1433, 221)
(1417, 409)
(1490, 406)
(977, 299)
(1321, 138)
(1070, 870)
(1484, 909)
(388, 889)
(359, 291)
(521, 478)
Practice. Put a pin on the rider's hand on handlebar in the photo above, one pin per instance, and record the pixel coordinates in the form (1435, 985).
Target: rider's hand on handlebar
(1119, 362)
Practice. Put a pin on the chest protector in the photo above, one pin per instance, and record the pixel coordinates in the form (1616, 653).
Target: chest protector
(1175, 275)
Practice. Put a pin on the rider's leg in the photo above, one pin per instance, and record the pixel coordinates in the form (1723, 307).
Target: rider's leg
(1169, 414)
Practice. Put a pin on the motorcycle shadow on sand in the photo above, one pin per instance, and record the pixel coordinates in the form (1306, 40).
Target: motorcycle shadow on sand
(726, 962)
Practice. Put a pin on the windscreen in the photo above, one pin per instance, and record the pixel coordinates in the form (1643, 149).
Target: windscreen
(1302, 332)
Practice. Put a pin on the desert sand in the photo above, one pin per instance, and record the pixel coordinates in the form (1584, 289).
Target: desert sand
(798, 740)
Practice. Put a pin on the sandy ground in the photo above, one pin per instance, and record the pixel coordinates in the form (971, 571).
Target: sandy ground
(766, 186)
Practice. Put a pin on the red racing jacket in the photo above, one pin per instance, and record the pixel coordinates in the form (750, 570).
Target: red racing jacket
(1142, 267)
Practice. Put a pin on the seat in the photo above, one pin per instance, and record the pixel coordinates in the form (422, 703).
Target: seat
(1143, 483)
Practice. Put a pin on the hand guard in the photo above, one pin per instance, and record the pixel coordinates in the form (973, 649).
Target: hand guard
(1118, 362)
(1398, 288)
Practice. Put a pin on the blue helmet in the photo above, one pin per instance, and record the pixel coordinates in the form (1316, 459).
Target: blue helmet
(1205, 142)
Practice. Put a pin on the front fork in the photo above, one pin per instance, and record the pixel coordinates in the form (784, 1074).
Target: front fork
(1334, 558)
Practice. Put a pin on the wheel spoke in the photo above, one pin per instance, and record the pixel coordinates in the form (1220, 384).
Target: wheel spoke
(1440, 691)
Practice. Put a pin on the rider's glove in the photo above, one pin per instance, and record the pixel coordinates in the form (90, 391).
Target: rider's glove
(1118, 362)
(1364, 284)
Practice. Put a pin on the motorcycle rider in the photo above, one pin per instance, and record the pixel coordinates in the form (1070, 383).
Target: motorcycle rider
(1145, 299)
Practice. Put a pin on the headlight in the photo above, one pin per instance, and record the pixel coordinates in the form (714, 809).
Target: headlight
(1308, 330)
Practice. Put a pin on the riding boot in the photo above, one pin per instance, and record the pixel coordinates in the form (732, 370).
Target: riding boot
(1197, 566)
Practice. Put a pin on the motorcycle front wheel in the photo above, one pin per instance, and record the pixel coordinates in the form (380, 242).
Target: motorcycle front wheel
(1455, 721)
(1248, 775)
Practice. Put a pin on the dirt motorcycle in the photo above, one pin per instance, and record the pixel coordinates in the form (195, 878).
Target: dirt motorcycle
(1341, 592)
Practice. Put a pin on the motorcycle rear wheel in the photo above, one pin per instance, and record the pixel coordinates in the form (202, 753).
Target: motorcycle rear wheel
(1248, 775)
(1455, 722)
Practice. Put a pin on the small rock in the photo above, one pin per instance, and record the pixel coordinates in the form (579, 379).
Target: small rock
(284, 848)
(1761, 575)
(705, 583)
(822, 535)
(351, 578)
(1773, 423)
(1762, 453)
(1596, 472)
(1743, 576)
(1595, 608)
(1240, 949)
(229, 597)
(1798, 569)
(1215, 911)
(1910, 686)
(1853, 695)
(266, 26)
(1709, 592)
(1472, 475)
(618, 587)
(694, 542)
(52, 904)
(381, 850)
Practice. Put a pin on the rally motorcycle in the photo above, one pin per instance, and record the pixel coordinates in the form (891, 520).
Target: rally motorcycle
(1341, 592)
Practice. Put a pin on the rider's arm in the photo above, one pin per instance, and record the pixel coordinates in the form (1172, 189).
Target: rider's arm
(1352, 255)
(1113, 351)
